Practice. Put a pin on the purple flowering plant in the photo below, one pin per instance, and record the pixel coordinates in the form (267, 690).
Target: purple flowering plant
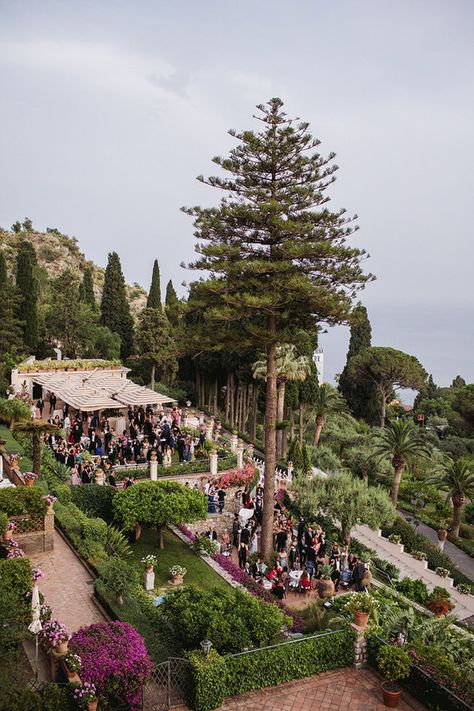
(37, 574)
(50, 499)
(13, 549)
(55, 633)
(85, 694)
(29, 476)
(114, 659)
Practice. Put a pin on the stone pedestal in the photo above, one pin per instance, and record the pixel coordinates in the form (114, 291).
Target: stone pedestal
(149, 580)
(191, 450)
(240, 455)
(209, 431)
(153, 469)
(213, 462)
(201, 418)
(233, 443)
(289, 467)
(360, 647)
(441, 545)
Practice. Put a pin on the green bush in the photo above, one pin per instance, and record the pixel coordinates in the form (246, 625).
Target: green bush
(94, 499)
(16, 579)
(17, 500)
(209, 680)
(3, 522)
(118, 576)
(415, 590)
(469, 513)
(232, 620)
(394, 663)
(51, 698)
(62, 492)
(95, 529)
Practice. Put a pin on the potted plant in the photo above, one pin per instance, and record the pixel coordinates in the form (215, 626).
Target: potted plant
(463, 589)
(8, 532)
(72, 664)
(205, 546)
(394, 538)
(326, 587)
(86, 696)
(50, 500)
(149, 561)
(395, 664)
(29, 478)
(56, 635)
(442, 572)
(442, 532)
(176, 574)
(419, 555)
(361, 604)
(439, 603)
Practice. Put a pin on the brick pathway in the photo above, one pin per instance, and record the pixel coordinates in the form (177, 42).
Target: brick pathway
(339, 690)
(67, 586)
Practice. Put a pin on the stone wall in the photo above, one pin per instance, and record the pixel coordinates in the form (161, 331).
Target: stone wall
(215, 521)
(360, 647)
(38, 541)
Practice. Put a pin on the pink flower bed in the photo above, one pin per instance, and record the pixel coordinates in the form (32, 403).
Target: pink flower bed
(115, 659)
(237, 477)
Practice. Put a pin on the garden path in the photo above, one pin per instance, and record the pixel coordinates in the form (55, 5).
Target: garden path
(464, 561)
(67, 586)
(411, 568)
(338, 690)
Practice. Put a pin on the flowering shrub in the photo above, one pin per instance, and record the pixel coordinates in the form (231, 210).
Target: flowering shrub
(463, 589)
(149, 561)
(177, 570)
(237, 477)
(361, 602)
(50, 500)
(13, 549)
(442, 572)
(37, 574)
(419, 555)
(115, 660)
(11, 526)
(72, 661)
(85, 694)
(55, 633)
(29, 476)
(45, 613)
(189, 534)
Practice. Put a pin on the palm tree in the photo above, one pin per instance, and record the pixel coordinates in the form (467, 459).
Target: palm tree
(457, 478)
(289, 366)
(327, 402)
(12, 410)
(402, 442)
(36, 429)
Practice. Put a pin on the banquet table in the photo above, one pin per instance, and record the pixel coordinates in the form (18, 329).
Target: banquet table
(295, 576)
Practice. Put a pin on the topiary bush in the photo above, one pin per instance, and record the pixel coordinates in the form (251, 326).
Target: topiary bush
(394, 663)
(115, 659)
(469, 513)
(17, 500)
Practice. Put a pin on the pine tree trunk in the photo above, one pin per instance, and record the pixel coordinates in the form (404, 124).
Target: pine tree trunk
(397, 478)
(270, 431)
(318, 430)
(292, 424)
(227, 399)
(301, 423)
(36, 454)
(383, 408)
(280, 417)
(253, 431)
(458, 501)
(152, 377)
(216, 387)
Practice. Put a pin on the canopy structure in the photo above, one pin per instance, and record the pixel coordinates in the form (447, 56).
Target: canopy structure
(98, 390)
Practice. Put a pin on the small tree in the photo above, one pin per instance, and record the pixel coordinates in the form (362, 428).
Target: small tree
(158, 503)
(118, 577)
(13, 410)
(402, 442)
(114, 307)
(86, 290)
(387, 369)
(156, 345)
(27, 286)
(154, 296)
(345, 500)
(458, 479)
(327, 402)
(36, 429)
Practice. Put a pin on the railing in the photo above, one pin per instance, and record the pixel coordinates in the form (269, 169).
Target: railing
(27, 523)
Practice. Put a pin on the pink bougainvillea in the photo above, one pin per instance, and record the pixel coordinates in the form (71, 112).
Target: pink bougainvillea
(115, 659)
(237, 477)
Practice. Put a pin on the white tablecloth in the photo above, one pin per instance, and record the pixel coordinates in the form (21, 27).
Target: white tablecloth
(295, 576)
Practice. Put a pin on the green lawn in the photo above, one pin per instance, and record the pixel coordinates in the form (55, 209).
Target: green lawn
(12, 445)
(175, 553)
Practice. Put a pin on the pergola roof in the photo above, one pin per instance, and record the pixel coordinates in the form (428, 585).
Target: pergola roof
(98, 390)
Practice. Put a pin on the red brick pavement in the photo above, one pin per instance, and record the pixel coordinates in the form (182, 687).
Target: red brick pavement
(339, 690)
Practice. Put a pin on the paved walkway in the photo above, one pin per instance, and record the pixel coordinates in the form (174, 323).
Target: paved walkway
(339, 690)
(464, 561)
(411, 568)
(67, 586)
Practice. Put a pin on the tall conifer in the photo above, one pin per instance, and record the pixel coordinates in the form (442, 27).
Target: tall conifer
(277, 256)
(11, 328)
(154, 296)
(362, 399)
(114, 307)
(86, 289)
(27, 285)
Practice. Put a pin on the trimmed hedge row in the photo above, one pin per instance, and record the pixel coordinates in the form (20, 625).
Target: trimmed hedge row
(216, 677)
(17, 500)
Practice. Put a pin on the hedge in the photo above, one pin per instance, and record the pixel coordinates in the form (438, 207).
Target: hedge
(414, 541)
(94, 499)
(200, 466)
(268, 666)
(17, 500)
(16, 574)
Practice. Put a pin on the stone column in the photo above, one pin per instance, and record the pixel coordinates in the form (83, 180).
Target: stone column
(149, 580)
(201, 418)
(213, 462)
(153, 468)
(360, 647)
(48, 535)
(233, 443)
(240, 455)
(209, 431)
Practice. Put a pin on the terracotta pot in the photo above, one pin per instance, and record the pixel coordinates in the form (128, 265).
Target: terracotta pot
(176, 579)
(92, 705)
(70, 674)
(361, 618)
(7, 535)
(326, 588)
(149, 569)
(62, 648)
(29, 482)
(391, 696)
(138, 531)
(442, 534)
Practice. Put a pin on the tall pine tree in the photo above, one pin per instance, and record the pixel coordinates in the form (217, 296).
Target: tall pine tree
(11, 328)
(27, 285)
(362, 399)
(86, 289)
(154, 296)
(277, 256)
(114, 307)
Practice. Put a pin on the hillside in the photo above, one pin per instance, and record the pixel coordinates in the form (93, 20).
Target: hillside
(57, 252)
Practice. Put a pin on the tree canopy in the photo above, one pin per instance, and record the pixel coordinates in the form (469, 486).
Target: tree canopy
(387, 369)
(27, 285)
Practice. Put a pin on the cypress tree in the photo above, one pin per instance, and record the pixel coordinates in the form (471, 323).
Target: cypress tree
(11, 328)
(27, 285)
(171, 297)
(154, 296)
(277, 256)
(86, 289)
(361, 399)
(114, 307)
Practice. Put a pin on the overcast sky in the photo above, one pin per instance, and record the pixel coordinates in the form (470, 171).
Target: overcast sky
(111, 108)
